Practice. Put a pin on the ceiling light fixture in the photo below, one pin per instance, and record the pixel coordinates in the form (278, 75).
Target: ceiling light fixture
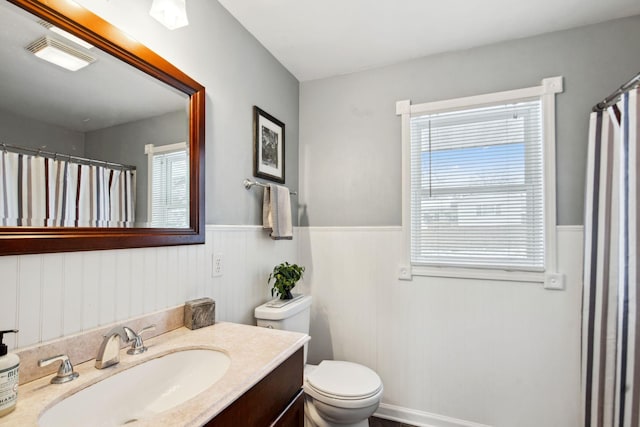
(60, 54)
(65, 34)
(170, 13)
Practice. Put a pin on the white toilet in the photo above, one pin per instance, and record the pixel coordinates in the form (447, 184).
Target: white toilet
(337, 393)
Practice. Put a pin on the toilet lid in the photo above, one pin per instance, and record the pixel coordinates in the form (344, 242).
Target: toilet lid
(344, 379)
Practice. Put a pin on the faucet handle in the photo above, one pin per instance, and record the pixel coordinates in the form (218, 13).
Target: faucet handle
(65, 371)
(137, 346)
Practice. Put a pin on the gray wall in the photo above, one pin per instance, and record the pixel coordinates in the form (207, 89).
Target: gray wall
(350, 149)
(238, 73)
(125, 144)
(25, 132)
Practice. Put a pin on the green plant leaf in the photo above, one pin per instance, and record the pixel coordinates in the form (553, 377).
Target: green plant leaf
(285, 276)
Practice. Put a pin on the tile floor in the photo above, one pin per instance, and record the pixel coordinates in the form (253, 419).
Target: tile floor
(379, 422)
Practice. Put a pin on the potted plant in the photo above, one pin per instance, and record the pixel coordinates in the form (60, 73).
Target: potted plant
(285, 277)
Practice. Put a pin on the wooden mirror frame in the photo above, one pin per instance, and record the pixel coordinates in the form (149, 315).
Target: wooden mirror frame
(77, 20)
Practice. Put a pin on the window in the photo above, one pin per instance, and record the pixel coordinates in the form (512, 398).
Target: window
(479, 185)
(168, 193)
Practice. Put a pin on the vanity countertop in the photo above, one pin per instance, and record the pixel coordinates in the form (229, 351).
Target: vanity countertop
(254, 352)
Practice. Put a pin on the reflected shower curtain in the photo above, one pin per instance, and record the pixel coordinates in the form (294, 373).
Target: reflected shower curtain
(610, 333)
(38, 191)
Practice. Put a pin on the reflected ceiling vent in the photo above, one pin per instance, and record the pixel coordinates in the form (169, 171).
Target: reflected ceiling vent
(65, 34)
(60, 54)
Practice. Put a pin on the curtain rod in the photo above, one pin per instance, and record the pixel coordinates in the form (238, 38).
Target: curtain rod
(248, 184)
(613, 98)
(59, 156)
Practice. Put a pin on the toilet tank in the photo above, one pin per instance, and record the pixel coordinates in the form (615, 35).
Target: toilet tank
(289, 315)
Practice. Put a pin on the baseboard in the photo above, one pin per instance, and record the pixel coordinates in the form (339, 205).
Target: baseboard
(419, 418)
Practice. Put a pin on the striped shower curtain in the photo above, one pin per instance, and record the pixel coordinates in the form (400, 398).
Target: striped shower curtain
(38, 191)
(610, 333)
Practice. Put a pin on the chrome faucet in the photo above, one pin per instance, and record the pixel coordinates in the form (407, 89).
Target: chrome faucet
(109, 352)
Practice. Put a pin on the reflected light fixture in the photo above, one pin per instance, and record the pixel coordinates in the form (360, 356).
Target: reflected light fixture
(60, 54)
(170, 13)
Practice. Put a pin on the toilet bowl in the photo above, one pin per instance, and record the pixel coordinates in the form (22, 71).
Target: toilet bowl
(340, 393)
(337, 393)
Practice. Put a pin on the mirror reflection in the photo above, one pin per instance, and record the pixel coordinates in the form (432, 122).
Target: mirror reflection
(85, 139)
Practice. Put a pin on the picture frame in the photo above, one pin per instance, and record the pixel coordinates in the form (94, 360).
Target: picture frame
(268, 146)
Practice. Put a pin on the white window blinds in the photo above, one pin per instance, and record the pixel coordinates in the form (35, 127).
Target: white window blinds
(477, 187)
(169, 187)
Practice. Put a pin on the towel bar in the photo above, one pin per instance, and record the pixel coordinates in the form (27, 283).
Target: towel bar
(248, 184)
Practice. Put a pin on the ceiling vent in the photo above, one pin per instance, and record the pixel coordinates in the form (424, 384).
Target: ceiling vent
(58, 53)
(65, 34)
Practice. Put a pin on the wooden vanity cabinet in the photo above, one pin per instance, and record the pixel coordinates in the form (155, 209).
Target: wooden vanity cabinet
(277, 400)
(293, 415)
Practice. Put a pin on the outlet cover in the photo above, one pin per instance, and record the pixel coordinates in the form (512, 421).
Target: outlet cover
(217, 267)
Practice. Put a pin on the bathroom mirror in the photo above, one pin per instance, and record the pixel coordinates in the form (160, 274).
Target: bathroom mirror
(97, 137)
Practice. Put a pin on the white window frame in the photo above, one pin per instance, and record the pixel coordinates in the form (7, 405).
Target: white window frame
(150, 150)
(546, 94)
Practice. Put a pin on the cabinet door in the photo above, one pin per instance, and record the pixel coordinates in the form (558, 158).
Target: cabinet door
(293, 415)
(265, 401)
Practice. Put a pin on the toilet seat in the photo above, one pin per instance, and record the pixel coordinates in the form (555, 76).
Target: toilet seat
(343, 384)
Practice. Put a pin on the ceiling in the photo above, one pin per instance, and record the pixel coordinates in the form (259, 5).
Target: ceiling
(318, 39)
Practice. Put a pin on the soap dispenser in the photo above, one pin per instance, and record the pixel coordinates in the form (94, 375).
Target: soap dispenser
(9, 364)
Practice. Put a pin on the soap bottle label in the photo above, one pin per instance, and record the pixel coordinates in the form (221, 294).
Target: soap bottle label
(8, 387)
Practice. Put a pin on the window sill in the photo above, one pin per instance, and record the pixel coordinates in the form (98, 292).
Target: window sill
(474, 273)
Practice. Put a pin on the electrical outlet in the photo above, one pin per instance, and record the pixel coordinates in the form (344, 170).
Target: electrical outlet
(217, 270)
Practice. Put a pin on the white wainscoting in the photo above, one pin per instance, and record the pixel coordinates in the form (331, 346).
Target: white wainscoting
(451, 352)
(53, 295)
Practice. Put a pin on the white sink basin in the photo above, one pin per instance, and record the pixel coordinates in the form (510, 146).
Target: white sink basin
(141, 391)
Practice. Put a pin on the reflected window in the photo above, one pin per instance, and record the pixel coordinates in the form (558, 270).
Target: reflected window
(168, 185)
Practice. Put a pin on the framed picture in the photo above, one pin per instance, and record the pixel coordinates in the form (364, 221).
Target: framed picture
(268, 146)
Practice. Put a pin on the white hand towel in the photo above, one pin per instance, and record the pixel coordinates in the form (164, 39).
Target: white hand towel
(276, 212)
